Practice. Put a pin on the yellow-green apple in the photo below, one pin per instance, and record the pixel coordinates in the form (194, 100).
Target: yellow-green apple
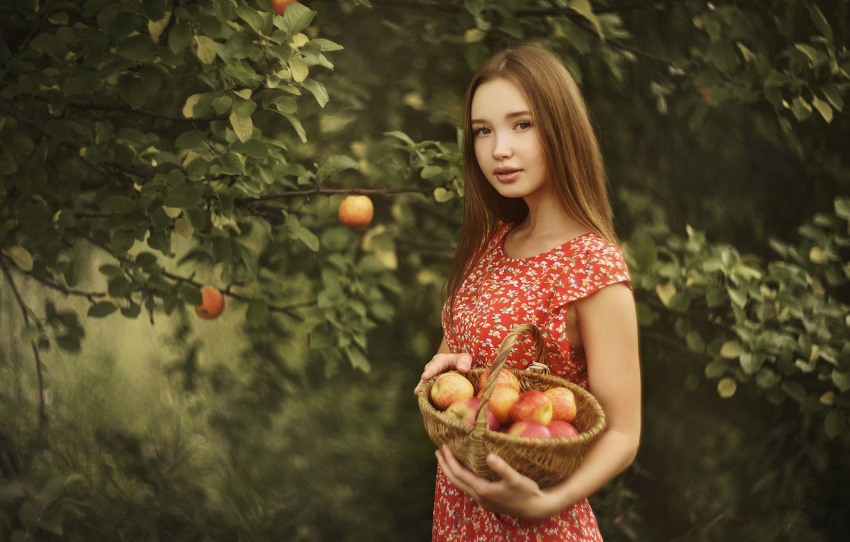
(212, 304)
(532, 405)
(449, 388)
(530, 429)
(505, 378)
(560, 428)
(501, 401)
(563, 403)
(465, 410)
(280, 5)
(356, 211)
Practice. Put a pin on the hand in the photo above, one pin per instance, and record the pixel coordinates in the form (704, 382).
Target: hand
(444, 362)
(514, 495)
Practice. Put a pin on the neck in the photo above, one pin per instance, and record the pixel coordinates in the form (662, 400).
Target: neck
(546, 215)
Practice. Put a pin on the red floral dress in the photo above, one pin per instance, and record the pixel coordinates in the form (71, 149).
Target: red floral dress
(498, 294)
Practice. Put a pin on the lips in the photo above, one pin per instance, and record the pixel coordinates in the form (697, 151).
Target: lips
(507, 174)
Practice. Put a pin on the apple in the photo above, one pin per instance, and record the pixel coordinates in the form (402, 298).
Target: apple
(280, 5)
(449, 388)
(505, 378)
(563, 403)
(560, 428)
(532, 405)
(212, 305)
(465, 410)
(501, 401)
(530, 429)
(356, 211)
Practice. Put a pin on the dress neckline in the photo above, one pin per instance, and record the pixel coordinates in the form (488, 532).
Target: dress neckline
(562, 247)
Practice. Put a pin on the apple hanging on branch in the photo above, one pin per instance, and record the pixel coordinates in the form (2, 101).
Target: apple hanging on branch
(212, 304)
(356, 211)
(280, 5)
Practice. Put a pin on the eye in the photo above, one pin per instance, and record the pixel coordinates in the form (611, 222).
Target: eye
(477, 131)
(523, 124)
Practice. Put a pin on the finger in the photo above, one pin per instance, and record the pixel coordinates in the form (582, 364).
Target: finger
(451, 477)
(505, 471)
(464, 362)
(464, 475)
(437, 365)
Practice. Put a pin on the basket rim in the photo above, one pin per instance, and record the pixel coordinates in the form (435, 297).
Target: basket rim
(583, 437)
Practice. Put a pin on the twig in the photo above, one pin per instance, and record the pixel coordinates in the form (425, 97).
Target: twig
(287, 309)
(330, 191)
(116, 106)
(42, 410)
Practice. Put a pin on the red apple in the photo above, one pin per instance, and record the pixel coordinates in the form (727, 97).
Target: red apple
(280, 5)
(505, 378)
(356, 211)
(501, 401)
(212, 304)
(530, 429)
(465, 410)
(560, 428)
(534, 406)
(449, 388)
(563, 403)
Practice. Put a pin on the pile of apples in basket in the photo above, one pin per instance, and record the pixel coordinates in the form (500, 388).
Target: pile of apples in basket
(532, 413)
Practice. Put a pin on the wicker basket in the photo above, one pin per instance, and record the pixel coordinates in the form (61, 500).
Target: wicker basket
(546, 461)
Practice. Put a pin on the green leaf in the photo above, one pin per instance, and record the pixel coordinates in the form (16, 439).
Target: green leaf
(841, 380)
(723, 56)
(830, 92)
(318, 90)
(823, 108)
(357, 359)
(296, 18)
(326, 45)
(205, 49)
(834, 423)
(801, 108)
(49, 44)
(842, 207)
(584, 9)
(21, 256)
(194, 139)
(298, 69)
(222, 9)
(184, 197)
(7, 164)
(242, 71)
(794, 390)
(101, 309)
(308, 238)
(820, 21)
(238, 46)
(16, 142)
(261, 22)
(180, 37)
(244, 108)
(118, 205)
(441, 195)
(140, 48)
(258, 313)
(244, 128)
(296, 123)
(131, 90)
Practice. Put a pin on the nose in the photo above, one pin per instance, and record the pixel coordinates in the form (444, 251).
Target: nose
(502, 147)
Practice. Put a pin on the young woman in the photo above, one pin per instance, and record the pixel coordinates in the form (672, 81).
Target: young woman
(536, 245)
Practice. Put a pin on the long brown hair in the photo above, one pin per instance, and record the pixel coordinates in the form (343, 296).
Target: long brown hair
(573, 159)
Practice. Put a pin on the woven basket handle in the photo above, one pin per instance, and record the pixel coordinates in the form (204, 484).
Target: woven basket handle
(538, 364)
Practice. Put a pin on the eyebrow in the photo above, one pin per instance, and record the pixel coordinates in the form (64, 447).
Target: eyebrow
(508, 116)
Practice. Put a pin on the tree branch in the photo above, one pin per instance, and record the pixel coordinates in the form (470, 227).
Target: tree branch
(42, 410)
(117, 106)
(329, 191)
(286, 309)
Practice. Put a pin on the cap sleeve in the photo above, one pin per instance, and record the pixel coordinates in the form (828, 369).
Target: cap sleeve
(598, 265)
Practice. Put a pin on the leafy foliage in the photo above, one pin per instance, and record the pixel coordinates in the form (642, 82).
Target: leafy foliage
(149, 148)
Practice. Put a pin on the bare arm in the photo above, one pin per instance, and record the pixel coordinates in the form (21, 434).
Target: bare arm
(608, 327)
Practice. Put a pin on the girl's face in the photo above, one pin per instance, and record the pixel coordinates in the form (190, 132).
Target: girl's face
(507, 145)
